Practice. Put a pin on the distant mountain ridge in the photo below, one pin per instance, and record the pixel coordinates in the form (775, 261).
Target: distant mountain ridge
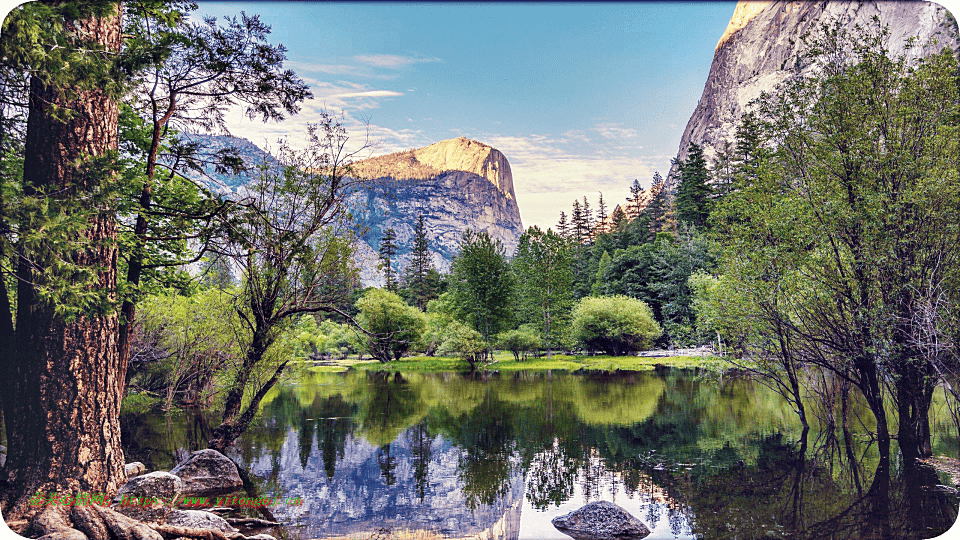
(455, 184)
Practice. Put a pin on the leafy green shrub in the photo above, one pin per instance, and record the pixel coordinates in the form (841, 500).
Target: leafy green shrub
(522, 340)
(393, 325)
(616, 325)
(183, 344)
(464, 342)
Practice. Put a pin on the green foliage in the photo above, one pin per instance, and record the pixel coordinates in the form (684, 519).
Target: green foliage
(658, 273)
(393, 326)
(845, 219)
(542, 266)
(614, 324)
(440, 314)
(421, 279)
(184, 343)
(693, 202)
(482, 286)
(388, 249)
(463, 342)
(523, 340)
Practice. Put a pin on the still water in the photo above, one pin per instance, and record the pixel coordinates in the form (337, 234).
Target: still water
(497, 456)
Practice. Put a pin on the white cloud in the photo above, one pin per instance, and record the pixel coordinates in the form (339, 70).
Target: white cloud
(368, 94)
(615, 131)
(391, 61)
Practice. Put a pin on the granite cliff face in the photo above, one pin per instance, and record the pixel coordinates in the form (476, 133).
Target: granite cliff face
(759, 48)
(456, 184)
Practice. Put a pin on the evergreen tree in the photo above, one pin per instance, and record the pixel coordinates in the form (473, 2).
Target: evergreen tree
(387, 250)
(587, 214)
(578, 224)
(598, 288)
(61, 375)
(694, 194)
(723, 172)
(619, 219)
(602, 215)
(636, 191)
(420, 287)
(658, 206)
(562, 226)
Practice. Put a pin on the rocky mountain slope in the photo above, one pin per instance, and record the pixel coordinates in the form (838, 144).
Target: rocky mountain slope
(759, 47)
(455, 184)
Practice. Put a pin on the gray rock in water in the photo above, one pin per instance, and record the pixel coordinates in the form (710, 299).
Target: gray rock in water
(157, 487)
(208, 472)
(134, 469)
(601, 520)
(198, 519)
(148, 497)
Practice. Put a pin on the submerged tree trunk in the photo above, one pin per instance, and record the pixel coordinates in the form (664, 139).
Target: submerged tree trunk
(64, 383)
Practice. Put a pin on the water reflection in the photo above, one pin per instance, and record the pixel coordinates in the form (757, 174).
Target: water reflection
(499, 456)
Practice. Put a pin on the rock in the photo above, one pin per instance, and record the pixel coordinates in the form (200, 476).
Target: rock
(134, 469)
(758, 50)
(160, 486)
(601, 520)
(261, 536)
(208, 472)
(198, 519)
(148, 497)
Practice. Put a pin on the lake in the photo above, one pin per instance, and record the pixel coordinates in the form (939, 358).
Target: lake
(497, 456)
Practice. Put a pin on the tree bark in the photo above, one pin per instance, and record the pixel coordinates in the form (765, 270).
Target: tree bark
(66, 378)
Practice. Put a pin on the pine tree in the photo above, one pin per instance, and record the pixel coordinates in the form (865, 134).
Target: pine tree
(694, 193)
(419, 285)
(577, 222)
(602, 215)
(619, 218)
(587, 220)
(658, 206)
(636, 190)
(562, 226)
(387, 250)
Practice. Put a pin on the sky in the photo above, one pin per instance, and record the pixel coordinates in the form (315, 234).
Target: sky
(581, 98)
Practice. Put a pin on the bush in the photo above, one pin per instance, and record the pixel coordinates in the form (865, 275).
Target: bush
(463, 342)
(522, 340)
(394, 326)
(616, 325)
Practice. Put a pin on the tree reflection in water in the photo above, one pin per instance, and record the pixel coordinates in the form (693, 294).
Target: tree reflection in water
(709, 458)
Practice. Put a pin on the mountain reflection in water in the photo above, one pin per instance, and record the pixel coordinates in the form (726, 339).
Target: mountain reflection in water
(497, 456)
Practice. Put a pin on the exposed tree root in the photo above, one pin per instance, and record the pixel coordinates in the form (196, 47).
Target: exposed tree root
(172, 531)
(56, 522)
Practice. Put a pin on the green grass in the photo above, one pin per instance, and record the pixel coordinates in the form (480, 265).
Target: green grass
(503, 361)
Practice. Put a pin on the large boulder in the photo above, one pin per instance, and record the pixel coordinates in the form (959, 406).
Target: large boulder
(601, 520)
(198, 519)
(208, 472)
(149, 497)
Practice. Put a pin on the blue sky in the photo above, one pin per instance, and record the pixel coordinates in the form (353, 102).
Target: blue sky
(581, 98)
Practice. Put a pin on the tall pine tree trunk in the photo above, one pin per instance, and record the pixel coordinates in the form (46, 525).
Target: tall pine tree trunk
(65, 382)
